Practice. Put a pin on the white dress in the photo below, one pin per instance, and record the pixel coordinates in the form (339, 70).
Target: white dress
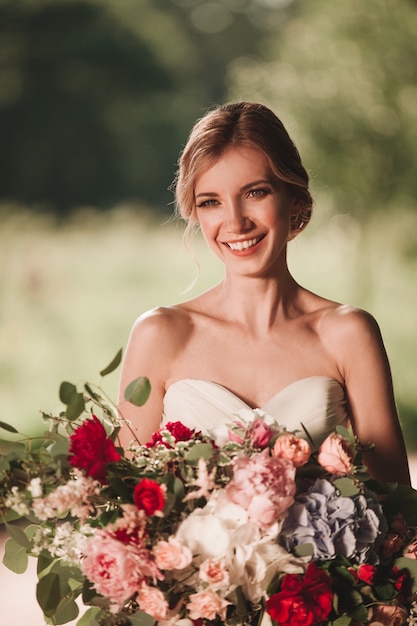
(316, 404)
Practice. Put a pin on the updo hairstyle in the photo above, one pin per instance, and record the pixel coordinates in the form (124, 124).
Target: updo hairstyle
(249, 125)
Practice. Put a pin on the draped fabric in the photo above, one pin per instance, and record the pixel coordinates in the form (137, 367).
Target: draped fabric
(315, 405)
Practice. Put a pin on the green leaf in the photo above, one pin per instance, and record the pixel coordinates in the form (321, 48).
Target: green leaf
(11, 447)
(74, 400)
(48, 593)
(89, 617)
(199, 451)
(113, 365)
(60, 448)
(343, 620)
(15, 557)
(306, 549)
(141, 619)
(66, 612)
(346, 486)
(8, 427)
(137, 392)
(18, 535)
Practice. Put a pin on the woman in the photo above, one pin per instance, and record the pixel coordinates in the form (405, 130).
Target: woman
(259, 339)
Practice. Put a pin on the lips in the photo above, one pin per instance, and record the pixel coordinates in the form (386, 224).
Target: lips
(245, 244)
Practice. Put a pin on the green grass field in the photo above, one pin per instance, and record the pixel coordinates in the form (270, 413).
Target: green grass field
(70, 293)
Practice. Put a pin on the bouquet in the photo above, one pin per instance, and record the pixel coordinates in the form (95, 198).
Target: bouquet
(244, 525)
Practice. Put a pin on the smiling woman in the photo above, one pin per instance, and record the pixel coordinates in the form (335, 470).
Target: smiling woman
(258, 338)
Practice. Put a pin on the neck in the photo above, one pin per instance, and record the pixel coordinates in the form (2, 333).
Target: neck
(258, 303)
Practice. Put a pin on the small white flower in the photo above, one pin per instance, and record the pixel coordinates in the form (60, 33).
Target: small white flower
(35, 487)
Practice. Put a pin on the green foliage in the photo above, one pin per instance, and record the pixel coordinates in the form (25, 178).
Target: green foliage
(137, 391)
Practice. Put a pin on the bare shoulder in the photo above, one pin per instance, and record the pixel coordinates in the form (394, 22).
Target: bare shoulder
(349, 323)
(162, 327)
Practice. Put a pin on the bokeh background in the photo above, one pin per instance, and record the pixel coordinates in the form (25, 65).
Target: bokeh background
(96, 100)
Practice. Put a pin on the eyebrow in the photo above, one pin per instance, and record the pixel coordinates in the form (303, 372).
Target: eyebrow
(254, 183)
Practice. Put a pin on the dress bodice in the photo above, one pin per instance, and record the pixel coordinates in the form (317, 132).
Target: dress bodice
(316, 404)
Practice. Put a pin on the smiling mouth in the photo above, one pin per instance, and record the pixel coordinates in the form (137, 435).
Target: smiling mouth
(244, 245)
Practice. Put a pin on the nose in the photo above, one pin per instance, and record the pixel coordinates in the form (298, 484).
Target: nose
(236, 217)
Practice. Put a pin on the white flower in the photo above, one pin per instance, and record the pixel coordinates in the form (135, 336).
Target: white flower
(35, 487)
(16, 502)
(204, 481)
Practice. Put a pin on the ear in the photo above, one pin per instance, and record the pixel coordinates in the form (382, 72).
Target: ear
(297, 222)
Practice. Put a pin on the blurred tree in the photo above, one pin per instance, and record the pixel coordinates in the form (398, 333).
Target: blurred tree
(98, 95)
(344, 75)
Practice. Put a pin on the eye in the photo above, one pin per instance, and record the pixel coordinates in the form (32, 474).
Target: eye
(259, 192)
(207, 203)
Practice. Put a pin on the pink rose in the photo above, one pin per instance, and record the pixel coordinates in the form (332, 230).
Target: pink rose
(261, 434)
(117, 568)
(387, 615)
(172, 554)
(263, 485)
(214, 572)
(206, 605)
(152, 601)
(292, 448)
(336, 455)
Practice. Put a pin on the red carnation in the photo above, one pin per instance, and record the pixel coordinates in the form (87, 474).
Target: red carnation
(302, 600)
(177, 430)
(91, 450)
(149, 496)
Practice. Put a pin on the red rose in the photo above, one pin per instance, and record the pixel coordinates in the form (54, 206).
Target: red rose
(149, 496)
(366, 573)
(91, 450)
(303, 600)
(177, 430)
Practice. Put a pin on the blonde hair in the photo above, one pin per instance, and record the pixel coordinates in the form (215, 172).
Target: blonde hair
(241, 124)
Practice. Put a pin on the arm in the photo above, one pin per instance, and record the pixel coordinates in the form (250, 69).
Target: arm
(365, 368)
(149, 353)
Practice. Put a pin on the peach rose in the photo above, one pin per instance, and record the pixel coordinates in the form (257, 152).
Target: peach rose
(172, 554)
(206, 605)
(214, 572)
(336, 455)
(387, 615)
(292, 448)
(152, 601)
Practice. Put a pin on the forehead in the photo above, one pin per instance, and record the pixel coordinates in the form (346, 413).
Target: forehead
(235, 166)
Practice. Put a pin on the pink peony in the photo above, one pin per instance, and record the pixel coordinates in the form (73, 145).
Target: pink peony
(172, 554)
(206, 605)
(152, 601)
(117, 568)
(264, 486)
(292, 448)
(336, 455)
(214, 572)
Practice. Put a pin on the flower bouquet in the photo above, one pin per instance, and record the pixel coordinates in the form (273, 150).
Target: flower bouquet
(244, 525)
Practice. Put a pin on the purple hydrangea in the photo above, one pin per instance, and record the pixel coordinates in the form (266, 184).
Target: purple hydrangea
(333, 524)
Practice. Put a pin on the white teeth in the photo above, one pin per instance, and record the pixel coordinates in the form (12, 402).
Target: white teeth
(242, 245)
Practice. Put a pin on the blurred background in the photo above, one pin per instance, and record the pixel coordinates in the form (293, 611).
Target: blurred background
(96, 101)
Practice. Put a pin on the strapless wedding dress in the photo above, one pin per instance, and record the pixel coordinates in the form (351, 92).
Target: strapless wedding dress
(316, 404)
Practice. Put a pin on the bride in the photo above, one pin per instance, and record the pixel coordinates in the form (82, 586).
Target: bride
(259, 339)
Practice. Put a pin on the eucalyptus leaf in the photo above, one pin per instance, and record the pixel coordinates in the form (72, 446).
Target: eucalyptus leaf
(306, 549)
(343, 620)
(199, 451)
(18, 535)
(114, 364)
(346, 486)
(137, 392)
(8, 427)
(89, 617)
(11, 447)
(76, 407)
(15, 557)
(66, 392)
(66, 612)
(141, 619)
(48, 593)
